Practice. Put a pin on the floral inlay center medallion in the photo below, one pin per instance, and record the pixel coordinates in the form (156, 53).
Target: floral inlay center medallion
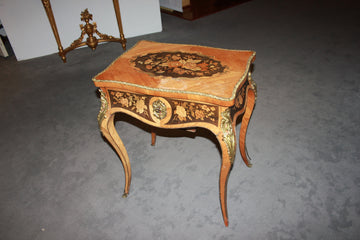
(178, 64)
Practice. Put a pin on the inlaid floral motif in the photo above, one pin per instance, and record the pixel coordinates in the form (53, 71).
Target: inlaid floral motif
(178, 64)
(132, 102)
(182, 111)
(140, 105)
(240, 98)
(188, 111)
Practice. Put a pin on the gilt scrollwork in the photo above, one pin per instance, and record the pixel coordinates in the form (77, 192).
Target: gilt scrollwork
(89, 28)
(228, 134)
(252, 84)
(103, 107)
(159, 109)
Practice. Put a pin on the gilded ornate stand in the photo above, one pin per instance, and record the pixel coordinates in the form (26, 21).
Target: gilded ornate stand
(89, 28)
(180, 86)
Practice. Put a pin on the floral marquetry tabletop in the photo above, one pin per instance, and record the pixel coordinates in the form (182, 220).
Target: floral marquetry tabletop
(177, 70)
(178, 64)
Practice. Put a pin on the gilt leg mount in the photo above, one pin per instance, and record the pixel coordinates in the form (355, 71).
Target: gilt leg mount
(227, 142)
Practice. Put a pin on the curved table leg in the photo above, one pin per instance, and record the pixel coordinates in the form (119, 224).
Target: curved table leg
(224, 175)
(227, 143)
(250, 103)
(107, 128)
(153, 138)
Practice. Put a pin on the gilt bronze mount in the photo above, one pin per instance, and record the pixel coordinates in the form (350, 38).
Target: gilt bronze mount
(89, 28)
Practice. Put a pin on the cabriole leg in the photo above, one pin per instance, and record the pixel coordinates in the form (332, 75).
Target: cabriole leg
(250, 103)
(107, 127)
(227, 142)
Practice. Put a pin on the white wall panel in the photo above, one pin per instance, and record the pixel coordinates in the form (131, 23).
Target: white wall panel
(30, 34)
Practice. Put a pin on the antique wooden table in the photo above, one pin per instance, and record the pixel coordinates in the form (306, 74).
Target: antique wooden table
(180, 86)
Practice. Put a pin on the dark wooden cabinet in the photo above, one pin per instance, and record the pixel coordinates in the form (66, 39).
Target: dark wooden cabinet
(193, 9)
